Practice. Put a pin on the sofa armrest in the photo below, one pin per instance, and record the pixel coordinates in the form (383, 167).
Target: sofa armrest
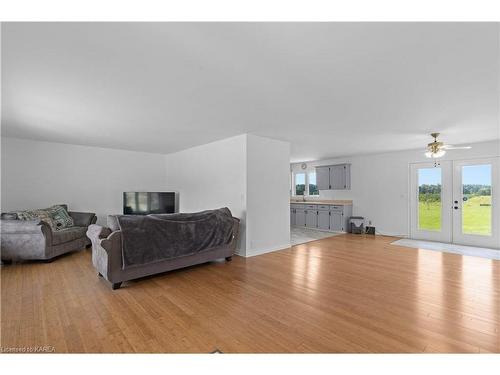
(236, 232)
(19, 230)
(82, 219)
(106, 251)
(97, 232)
(23, 226)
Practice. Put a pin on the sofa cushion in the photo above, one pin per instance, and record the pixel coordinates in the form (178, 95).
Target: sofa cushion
(68, 234)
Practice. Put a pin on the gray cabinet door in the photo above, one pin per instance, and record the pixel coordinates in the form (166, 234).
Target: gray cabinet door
(336, 221)
(337, 177)
(292, 216)
(311, 218)
(347, 176)
(324, 219)
(300, 217)
(323, 178)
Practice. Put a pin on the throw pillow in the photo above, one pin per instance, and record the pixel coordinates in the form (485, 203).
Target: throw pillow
(41, 215)
(56, 216)
(60, 217)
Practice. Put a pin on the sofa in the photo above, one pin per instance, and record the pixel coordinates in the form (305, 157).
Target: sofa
(36, 240)
(108, 255)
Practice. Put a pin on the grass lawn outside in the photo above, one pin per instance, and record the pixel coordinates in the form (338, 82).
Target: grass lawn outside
(429, 216)
(476, 219)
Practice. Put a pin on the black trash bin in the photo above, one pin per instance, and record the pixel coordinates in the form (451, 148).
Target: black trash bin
(356, 224)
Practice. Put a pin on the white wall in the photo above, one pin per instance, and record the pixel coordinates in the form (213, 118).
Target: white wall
(379, 183)
(268, 205)
(247, 174)
(211, 176)
(39, 174)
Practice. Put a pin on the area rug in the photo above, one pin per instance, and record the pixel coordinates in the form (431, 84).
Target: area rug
(302, 235)
(480, 252)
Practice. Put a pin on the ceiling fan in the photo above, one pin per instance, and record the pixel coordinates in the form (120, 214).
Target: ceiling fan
(437, 149)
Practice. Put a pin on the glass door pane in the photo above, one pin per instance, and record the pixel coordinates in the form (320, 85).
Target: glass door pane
(476, 199)
(429, 199)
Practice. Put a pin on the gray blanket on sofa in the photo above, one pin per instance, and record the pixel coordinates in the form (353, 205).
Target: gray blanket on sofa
(152, 238)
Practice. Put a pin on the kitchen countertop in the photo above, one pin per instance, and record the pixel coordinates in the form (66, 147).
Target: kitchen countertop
(336, 202)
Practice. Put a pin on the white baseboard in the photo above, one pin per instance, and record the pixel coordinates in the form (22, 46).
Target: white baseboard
(399, 235)
(255, 252)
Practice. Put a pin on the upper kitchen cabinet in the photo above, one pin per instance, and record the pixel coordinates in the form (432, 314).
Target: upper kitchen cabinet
(323, 178)
(339, 177)
(334, 177)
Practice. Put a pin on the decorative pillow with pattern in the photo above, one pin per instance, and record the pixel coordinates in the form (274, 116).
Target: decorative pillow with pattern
(60, 217)
(56, 216)
(41, 215)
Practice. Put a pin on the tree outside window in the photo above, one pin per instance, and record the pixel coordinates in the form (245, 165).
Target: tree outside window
(313, 187)
(305, 184)
(300, 183)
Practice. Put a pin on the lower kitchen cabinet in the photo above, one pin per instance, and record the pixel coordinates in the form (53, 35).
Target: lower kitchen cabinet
(300, 217)
(325, 217)
(336, 221)
(311, 218)
(324, 220)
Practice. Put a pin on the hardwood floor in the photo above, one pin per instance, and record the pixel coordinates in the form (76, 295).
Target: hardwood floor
(341, 294)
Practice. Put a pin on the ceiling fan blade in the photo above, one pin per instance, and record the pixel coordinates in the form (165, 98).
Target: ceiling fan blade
(451, 147)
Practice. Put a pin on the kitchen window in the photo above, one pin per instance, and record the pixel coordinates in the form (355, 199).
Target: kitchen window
(312, 186)
(300, 184)
(305, 184)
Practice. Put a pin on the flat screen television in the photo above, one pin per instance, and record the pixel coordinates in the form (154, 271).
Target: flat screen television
(144, 203)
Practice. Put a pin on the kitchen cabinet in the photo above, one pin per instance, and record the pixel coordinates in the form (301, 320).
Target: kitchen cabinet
(311, 218)
(336, 220)
(300, 217)
(323, 178)
(324, 219)
(329, 217)
(338, 177)
(334, 177)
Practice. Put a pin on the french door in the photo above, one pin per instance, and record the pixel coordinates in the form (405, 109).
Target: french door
(430, 201)
(456, 201)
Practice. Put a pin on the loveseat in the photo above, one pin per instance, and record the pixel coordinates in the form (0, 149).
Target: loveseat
(36, 240)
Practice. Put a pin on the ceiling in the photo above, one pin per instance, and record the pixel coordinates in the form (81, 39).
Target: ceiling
(331, 89)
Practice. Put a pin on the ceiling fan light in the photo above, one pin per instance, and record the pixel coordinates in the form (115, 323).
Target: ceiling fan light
(439, 153)
(428, 154)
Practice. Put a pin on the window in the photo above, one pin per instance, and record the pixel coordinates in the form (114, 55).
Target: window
(313, 187)
(305, 183)
(300, 183)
